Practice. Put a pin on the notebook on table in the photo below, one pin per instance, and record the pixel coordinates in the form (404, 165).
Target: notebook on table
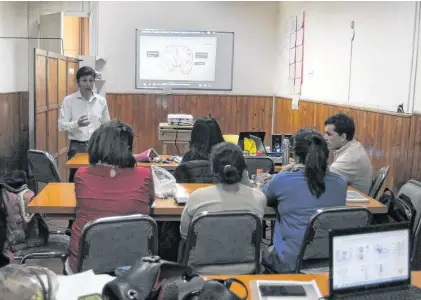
(353, 196)
(371, 263)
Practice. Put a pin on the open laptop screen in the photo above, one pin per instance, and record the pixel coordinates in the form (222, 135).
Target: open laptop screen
(370, 259)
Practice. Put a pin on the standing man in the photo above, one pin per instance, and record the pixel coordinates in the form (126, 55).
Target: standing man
(82, 113)
(350, 158)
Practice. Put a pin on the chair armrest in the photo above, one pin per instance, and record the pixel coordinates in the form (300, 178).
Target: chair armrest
(57, 232)
(43, 255)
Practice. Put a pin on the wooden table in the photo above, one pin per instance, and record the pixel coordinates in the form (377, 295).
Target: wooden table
(81, 160)
(58, 200)
(321, 279)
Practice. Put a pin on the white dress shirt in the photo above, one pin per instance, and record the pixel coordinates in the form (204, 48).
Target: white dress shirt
(75, 106)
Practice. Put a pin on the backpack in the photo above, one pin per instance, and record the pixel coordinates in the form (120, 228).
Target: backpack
(399, 209)
(23, 230)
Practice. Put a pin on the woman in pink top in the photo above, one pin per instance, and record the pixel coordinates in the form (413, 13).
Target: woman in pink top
(112, 185)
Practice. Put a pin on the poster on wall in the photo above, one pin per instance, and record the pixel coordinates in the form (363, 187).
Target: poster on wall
(296, 53)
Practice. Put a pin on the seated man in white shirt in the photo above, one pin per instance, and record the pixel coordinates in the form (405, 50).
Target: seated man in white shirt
(82, 113)
(350, 158)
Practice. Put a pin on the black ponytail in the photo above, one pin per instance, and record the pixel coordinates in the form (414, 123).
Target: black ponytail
(229, 174)
(228, 163)
(311, 150)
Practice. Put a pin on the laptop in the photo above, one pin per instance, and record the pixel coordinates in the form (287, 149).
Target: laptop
(371, 263)
(247, 134)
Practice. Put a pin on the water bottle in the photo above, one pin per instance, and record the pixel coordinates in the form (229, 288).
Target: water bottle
(285, 152)
(259, 179)
(253, 180)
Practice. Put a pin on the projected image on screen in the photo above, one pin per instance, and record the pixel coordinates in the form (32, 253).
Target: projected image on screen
(177, 58)
(184, 60)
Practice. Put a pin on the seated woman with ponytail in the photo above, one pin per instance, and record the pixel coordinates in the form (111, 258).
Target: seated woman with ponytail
(230, 192)
(297, 195)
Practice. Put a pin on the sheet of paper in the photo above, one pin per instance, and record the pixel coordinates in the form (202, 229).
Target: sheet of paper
(312, 291)
(86, 283)
(352, 196)
(295, 101)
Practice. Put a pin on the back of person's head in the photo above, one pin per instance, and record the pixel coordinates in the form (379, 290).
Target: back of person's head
(310, 149)
(228, 163)
(343, 125)
(205, 134)
(112, 144)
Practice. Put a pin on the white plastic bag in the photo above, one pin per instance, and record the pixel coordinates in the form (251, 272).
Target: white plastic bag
(164, 181)
(19, 282)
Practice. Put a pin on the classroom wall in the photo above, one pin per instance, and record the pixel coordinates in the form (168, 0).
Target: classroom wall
(381, 59)
(254, 24)
(13, 53)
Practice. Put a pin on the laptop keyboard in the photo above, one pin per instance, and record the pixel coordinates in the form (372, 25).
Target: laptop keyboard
(398, 294)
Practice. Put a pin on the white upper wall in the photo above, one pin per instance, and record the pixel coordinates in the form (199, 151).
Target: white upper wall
(254, 24)
(381, 60)
(13, 52)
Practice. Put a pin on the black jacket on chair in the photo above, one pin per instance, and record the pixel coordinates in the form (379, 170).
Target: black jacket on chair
(195, 171)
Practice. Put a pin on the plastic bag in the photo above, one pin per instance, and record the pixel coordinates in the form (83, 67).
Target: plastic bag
(165, 184)
(18, 282)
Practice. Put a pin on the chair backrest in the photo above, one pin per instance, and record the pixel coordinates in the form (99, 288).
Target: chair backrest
(224, 243)
(412, 190)
(194, 171)
(259, 162)
(43, 167)
(378, 182)
(315, 243)
(111, 242)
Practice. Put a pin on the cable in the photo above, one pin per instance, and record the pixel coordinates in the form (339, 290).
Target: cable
(350, 59)
(175, 140)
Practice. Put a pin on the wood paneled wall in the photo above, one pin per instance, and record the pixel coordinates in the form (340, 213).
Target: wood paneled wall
(144, 113)
(386, 136)
(14, 131)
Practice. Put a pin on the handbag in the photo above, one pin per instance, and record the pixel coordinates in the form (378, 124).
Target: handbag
(217, 289)
(153, 278)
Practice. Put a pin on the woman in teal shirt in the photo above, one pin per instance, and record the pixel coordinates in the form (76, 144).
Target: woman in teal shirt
(297, 195)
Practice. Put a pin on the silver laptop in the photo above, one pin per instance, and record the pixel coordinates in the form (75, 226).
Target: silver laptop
(371, 263)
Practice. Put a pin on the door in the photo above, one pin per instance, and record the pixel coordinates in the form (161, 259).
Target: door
(52, 26)
(55, 77)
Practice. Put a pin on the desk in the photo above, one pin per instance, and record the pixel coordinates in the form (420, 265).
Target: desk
(321, 279)
(58, 200)
(81, 160)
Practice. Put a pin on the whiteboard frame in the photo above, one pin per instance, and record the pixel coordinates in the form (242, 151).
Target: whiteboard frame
(141, 87)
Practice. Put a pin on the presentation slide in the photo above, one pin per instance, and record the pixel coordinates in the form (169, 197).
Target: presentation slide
(184, 60)
(177, 58)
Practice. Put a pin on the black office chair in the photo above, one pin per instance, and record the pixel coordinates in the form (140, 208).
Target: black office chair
(259, 162)
(42, 167)
(378, 182)
(236, 251)
(314, 252)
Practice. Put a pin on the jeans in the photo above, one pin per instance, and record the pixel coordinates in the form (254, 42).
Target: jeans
(75, 147)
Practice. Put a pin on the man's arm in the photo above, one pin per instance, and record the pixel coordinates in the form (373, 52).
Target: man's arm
(105, 114)
(344, 168)
(65, 122)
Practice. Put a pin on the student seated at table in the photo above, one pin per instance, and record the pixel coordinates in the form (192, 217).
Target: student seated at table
(350, 158)
(228, 165)
(205, 134)
(112, 185)
(296, 195)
